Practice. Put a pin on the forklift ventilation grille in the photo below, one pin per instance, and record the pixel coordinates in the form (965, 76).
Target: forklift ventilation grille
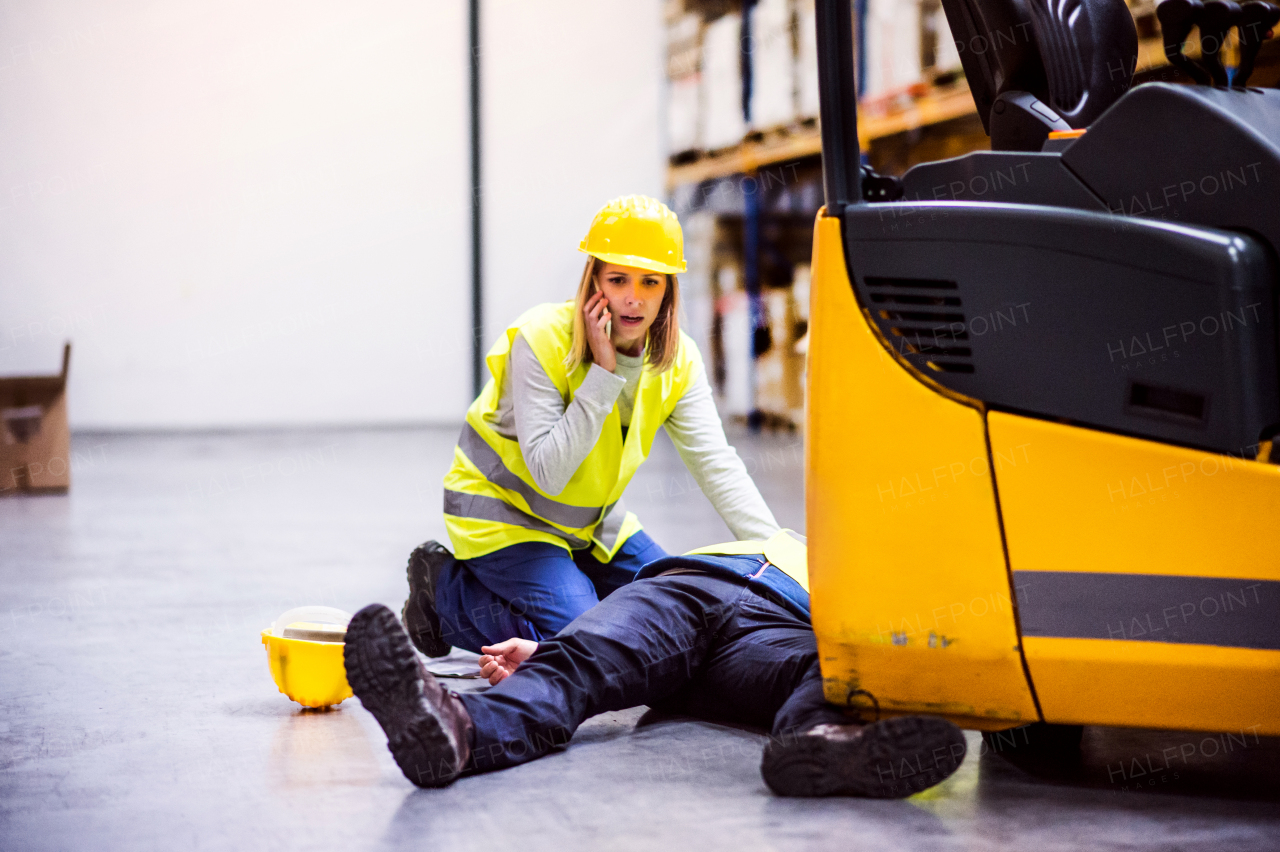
(925, 316)
(1166, 401)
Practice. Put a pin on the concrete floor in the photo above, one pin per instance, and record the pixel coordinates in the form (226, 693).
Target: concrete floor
(137, 712)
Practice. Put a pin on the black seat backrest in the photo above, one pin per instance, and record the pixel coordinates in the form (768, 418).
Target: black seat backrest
(1077, 56)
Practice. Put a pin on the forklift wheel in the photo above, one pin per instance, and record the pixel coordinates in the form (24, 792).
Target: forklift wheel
(1037, 740)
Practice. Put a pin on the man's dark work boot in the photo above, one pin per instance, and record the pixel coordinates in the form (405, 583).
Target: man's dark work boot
(428, 729)
(890, 759)
(419, 612)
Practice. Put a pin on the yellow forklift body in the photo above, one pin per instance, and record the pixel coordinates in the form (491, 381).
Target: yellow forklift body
(909, 581)
(1095, 504)
(1000, 568)
(912, 588)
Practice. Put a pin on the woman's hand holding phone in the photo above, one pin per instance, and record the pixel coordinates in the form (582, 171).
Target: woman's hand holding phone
(596, 315)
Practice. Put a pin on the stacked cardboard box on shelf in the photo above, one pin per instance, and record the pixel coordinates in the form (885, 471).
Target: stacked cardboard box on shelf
(709, 107)
(684, 60)
(806, 60)
(892, 46)
(773, 64)
(715, 308)
(734, 333)
(908, 43)
(697, 288)
(939, 54)
(723, 124)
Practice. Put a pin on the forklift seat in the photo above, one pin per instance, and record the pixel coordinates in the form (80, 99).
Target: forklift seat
(1040, 65)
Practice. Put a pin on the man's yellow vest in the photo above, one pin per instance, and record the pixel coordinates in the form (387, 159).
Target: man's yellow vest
(490, 498)
(787, 550)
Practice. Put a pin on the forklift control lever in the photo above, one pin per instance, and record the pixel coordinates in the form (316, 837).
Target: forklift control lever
(1177, 17)
(1256, 20)
(1217, 17)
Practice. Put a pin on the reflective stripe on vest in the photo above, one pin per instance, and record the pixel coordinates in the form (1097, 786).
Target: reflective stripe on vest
(490, 466)
(488, 462)
(485, 508)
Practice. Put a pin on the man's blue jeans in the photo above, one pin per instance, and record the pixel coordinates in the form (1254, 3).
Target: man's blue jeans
(530, 590)
(697, 644)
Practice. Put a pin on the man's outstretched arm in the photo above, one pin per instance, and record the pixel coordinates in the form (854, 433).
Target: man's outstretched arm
(499, 661)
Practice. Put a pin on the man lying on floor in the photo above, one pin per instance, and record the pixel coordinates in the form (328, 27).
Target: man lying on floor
(721, 634)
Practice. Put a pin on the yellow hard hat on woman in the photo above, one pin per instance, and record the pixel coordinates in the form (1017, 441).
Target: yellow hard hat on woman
(639, 231)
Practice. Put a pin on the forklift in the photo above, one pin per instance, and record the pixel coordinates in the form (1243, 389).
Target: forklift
(1043, 436)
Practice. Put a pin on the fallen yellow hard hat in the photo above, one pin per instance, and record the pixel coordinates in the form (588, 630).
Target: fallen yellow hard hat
(304, 650)
(636, 230)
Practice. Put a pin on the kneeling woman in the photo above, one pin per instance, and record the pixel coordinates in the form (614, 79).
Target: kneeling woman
(533, 502)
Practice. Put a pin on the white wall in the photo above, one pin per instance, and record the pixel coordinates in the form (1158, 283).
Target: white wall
(242, 212)
(256, 212)
(571, 119)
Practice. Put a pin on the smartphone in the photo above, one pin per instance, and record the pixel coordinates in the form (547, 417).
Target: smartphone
(608, 326)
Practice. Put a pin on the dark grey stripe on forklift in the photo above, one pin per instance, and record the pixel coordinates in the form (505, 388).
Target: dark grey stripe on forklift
(1235, 613)
(462, 505)
(488, 462)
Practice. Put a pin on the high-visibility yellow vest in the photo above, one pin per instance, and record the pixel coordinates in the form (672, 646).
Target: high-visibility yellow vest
(491, 500)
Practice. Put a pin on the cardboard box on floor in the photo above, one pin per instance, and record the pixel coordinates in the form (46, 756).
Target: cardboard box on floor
(35, 442)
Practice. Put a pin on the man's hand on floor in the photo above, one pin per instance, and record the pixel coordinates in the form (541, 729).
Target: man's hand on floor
(499, 661)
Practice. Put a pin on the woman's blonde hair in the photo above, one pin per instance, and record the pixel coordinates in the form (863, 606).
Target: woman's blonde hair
(662, 342)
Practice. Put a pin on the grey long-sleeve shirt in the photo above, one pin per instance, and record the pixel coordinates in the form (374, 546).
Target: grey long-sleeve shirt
(555, 439)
